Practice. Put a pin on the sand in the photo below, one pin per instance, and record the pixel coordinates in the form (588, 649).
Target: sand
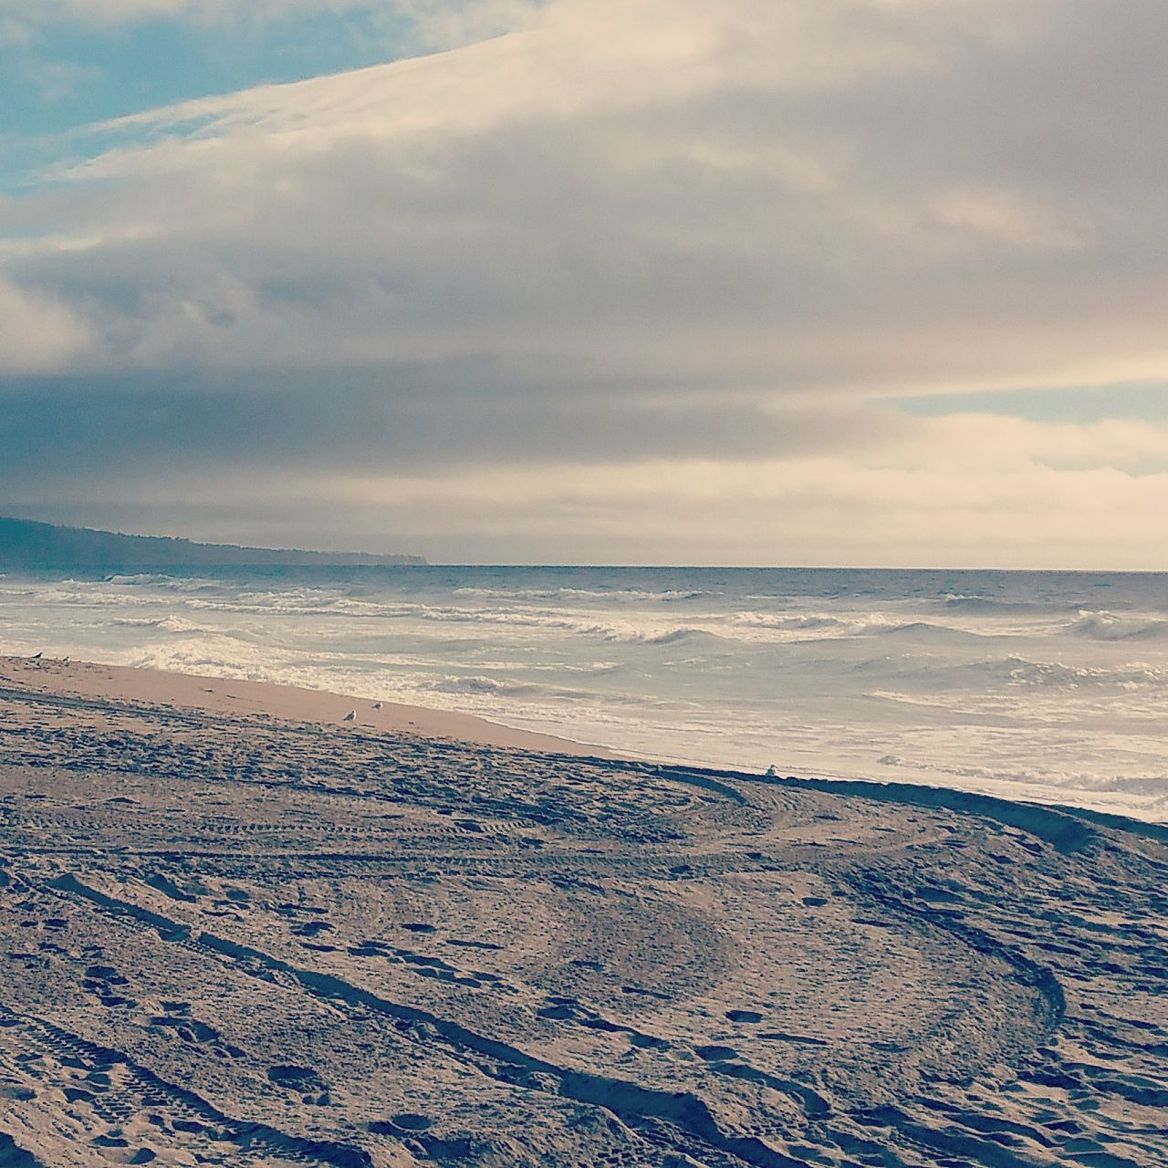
(217, 696)
(237, 928)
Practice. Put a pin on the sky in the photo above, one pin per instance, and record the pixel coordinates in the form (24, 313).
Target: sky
(819, 282)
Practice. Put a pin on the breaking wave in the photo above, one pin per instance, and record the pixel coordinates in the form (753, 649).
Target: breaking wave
(1019, 671)
(950, 678)
(1106, 626)
(167, 624)
(818, 625)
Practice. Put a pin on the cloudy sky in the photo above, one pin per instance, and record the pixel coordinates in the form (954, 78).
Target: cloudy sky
(639, 281)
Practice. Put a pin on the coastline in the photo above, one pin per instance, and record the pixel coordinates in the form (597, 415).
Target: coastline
(231, 697)
(1047, 692)
(238, 925)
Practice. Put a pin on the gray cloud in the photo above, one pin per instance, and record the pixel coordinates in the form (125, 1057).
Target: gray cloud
(635, 231)
(374, 421)
(953, 196)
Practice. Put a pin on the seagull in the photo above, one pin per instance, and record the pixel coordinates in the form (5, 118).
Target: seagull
(37, 656)
(351, 716)
(377, 705)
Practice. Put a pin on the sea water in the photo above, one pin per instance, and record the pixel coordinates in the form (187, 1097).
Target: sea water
(1043, 686)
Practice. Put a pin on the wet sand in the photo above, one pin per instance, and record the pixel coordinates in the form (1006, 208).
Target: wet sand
(218, 696)
(237, 927)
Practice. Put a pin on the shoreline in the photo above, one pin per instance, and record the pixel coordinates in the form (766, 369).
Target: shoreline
(1041, 694)
(230, 696)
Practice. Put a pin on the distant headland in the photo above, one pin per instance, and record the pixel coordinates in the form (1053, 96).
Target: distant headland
(25, 544)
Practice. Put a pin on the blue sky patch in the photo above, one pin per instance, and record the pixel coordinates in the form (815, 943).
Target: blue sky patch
(66, 79)
(1146, 401)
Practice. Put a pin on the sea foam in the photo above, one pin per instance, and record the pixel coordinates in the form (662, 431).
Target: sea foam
(1039, 685)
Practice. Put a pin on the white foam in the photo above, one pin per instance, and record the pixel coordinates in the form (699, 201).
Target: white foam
(1106, 626)
(1021, 687)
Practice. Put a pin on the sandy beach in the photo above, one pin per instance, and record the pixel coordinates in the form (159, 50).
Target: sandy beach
(250, 925)
(215, 695)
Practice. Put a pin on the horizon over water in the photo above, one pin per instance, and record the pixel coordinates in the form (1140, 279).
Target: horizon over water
(1047, 686)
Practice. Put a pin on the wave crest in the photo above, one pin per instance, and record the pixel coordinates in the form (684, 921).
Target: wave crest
(1106, 626)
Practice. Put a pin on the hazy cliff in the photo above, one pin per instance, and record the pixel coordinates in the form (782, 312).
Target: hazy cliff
(24, 544)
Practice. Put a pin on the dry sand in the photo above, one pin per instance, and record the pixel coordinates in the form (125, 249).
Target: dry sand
(236, 928)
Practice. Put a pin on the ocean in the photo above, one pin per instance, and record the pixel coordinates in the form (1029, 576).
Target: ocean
(1043, 686)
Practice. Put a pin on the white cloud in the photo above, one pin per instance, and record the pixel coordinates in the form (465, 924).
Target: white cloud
(957, 495)
(37, 333)
(993, 443)
(853, 195)
(449, 23)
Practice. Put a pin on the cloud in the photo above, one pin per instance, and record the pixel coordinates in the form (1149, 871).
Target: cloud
(800, 512)
(452, 24)
(688, 241)
(852, 195)
(368, 421)
(507, 479)
(37, 333)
